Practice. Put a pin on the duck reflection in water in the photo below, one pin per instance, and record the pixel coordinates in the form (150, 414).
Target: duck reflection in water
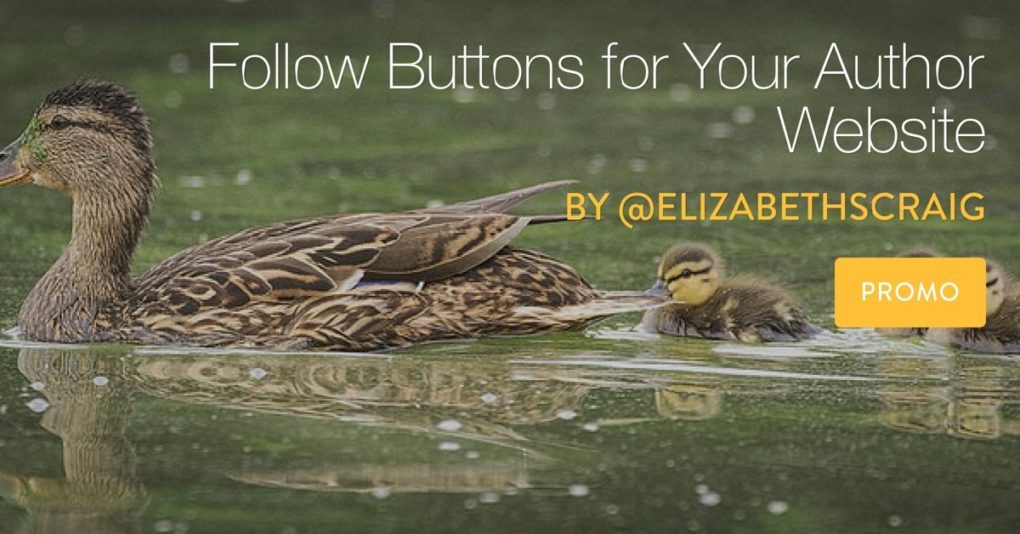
(89, 406)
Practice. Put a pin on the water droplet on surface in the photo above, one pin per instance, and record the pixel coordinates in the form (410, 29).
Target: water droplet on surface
(566, 415)
(680, 92)
(449, 446)
(710, 498)
(179, 64)
(578, 490)
(38, 405)
(258, 373)
(449, 425)
(488, 398)
(777, 507)
(743, 115)
(243, 177)
(100, 381)
(720, 130)
(546, 101)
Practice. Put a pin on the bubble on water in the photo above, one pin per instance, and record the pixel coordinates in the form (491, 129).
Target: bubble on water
(578, 490)
(597, 164)
(546, 101)
(701, 489)
(381, 492)
(258, 373)
(101, 381)
(566, 415)
(38, 405)
(463, 95)
(777, 507)
(489, 497)
(991, 142)
(196, 215)
(680, 92)
(943, 103)
(470, 504)
(512, 95)
(434, 203)
(488, 398)
(472, 455)
(179, 64)
(383, 9)
(243, 177)
(720, 130)
(38, 386)
(163, 525)
(192, 182)
(449, 446)
(591, 427)
(895, 521)
(983, 28)
(172, 99)
(645, 144)
(449, 425)
(638, 165)
(612, 509)
(710, 498)
(671, 463)
(743, 115)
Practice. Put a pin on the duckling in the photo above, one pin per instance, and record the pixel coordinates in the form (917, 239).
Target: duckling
(744, 308)
(913, 331)
(1001, 333)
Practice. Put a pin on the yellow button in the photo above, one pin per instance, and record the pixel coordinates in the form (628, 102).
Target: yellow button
(910, 292)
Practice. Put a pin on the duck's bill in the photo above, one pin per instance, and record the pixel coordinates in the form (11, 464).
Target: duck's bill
(10, 171)
(17, 178)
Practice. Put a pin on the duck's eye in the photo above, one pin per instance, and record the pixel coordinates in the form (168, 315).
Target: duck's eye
(59, 121)
(686, 273)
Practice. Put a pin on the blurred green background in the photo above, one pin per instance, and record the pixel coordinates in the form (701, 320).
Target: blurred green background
(231, 158)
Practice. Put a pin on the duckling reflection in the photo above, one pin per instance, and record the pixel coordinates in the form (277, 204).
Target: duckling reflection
(688, 402)
(100, 491)
(958, 399)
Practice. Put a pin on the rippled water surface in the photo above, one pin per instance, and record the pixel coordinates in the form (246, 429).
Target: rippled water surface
(613, 430)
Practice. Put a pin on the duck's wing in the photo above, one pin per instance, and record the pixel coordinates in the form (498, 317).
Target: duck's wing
(500, 203)
(330, 255)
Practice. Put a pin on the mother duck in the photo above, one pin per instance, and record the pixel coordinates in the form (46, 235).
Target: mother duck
(341, 282)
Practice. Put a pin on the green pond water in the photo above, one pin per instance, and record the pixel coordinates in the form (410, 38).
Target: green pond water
(596, 431)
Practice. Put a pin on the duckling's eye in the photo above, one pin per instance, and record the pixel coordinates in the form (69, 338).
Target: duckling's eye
(59, 121)
(686, 273)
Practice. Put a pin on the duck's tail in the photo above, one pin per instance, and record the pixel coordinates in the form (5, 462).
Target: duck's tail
(606, 304)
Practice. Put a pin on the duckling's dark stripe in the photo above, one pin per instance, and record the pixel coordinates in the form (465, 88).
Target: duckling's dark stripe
(693, 273)
(992, 283)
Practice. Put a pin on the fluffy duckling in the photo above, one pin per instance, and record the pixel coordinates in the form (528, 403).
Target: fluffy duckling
(705, 305)
(1001, 333)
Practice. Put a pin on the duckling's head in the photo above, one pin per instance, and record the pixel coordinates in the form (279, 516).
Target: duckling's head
(86, 137)
(689, 273)
(995, 287)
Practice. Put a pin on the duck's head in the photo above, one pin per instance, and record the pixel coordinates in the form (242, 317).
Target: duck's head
(689, 273)
(86, 137)
(996, 282)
